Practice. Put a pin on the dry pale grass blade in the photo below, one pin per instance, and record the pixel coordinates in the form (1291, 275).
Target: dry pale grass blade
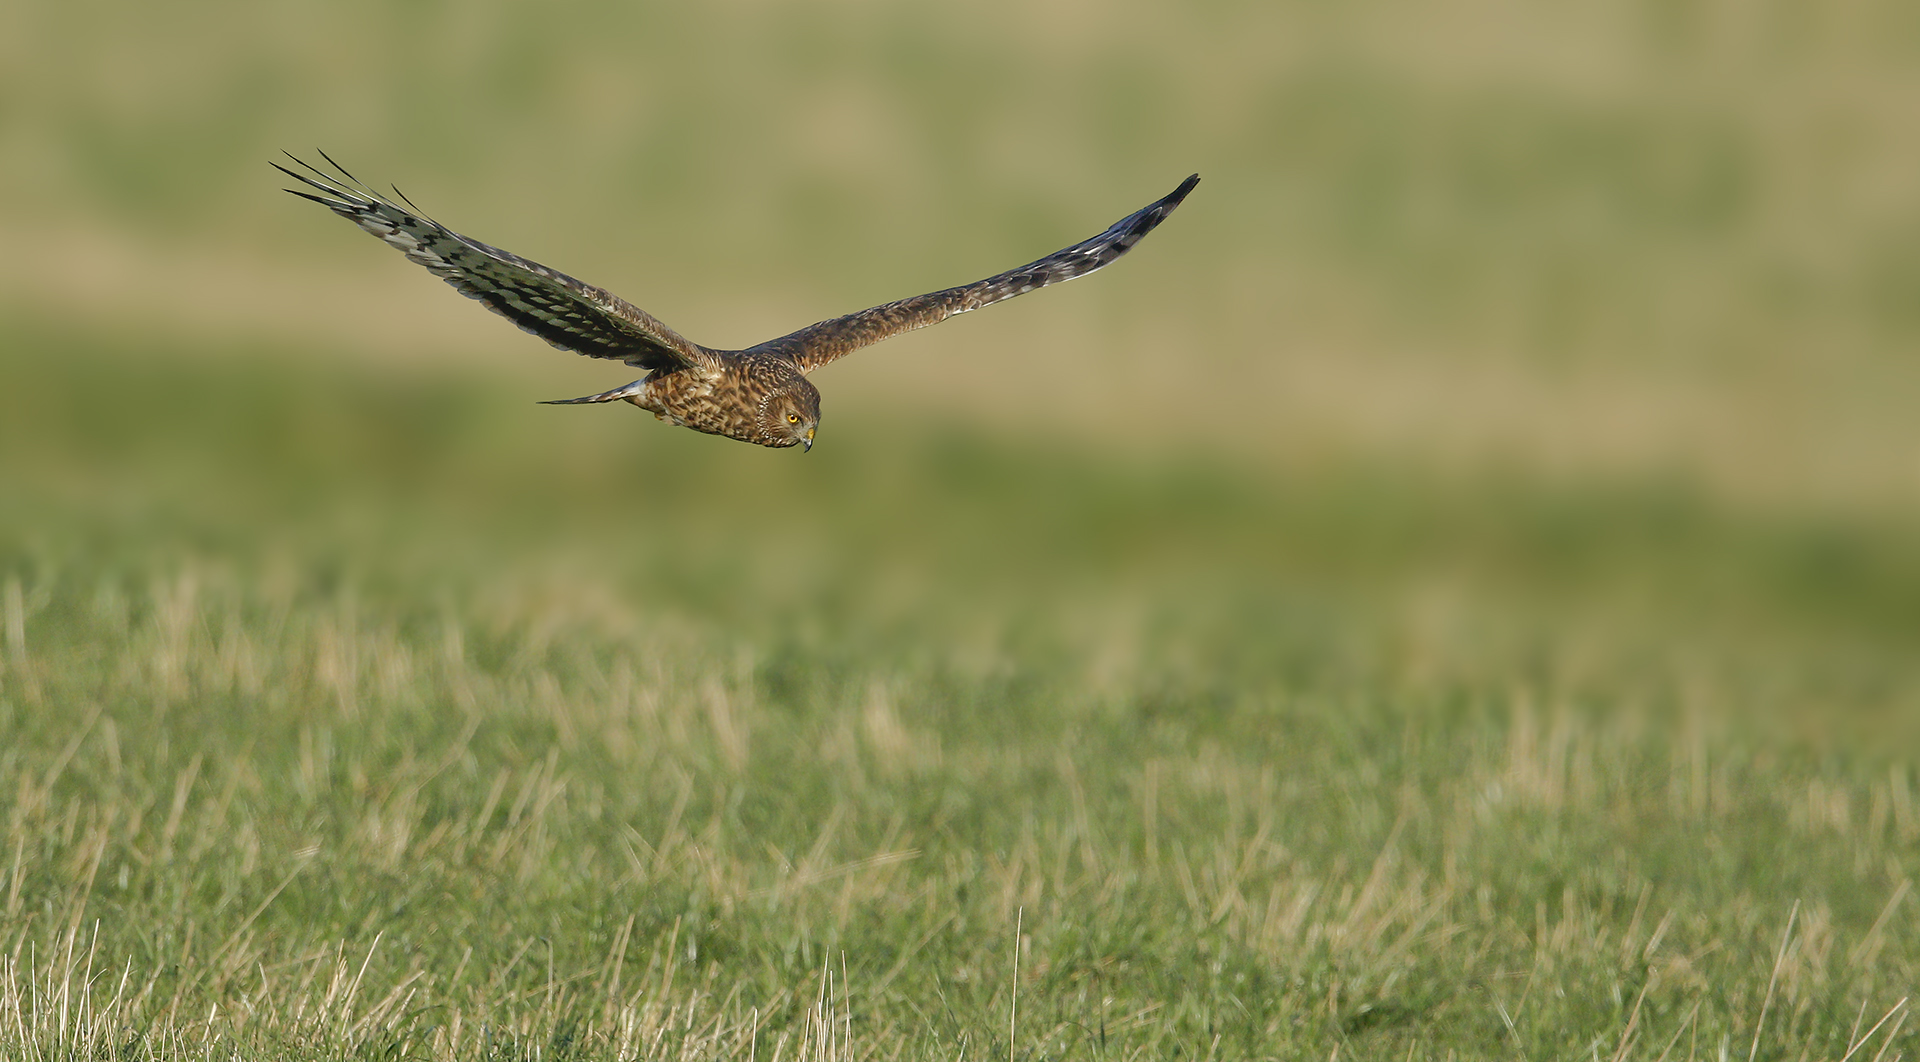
(1773, 979)
(1854, 1045)
(60, 1008)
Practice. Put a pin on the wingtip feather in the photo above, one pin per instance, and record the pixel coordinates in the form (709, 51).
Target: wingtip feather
(343, 170)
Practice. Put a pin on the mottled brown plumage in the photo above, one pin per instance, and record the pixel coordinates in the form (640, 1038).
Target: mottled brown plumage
(758, 395)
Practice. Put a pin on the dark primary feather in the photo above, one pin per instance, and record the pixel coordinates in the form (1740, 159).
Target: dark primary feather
(817, 344)
(567, 313)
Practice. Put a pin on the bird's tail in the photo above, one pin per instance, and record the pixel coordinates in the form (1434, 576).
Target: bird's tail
(614, 395)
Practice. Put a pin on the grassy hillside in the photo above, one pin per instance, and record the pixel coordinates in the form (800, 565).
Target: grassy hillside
(353, 714)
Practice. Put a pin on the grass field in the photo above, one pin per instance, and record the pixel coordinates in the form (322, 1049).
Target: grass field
(367, 727)
(1452, 593)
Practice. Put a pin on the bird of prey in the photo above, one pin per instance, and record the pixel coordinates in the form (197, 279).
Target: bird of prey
(758, 395)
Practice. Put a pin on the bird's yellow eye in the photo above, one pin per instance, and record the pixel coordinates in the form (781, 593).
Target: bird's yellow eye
(793, 418)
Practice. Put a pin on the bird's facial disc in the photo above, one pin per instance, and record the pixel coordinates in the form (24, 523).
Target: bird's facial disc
(799, 429)
(796, 414)
(805, 431)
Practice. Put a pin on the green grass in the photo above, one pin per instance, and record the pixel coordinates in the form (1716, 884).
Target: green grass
(1451, 594)
(351, 715)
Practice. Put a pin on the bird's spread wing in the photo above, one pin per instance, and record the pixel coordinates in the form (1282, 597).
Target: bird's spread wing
(818, 344)
(565, 312)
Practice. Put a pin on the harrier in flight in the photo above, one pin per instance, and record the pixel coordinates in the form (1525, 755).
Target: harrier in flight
(758, 395)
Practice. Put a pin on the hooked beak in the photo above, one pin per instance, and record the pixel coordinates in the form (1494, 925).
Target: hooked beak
(807, 443)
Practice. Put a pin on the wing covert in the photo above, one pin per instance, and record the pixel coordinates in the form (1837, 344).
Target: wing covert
(567, 313)
(817, 344)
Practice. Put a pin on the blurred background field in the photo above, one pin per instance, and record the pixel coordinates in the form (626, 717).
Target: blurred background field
(1586, 236)
(1452, 591)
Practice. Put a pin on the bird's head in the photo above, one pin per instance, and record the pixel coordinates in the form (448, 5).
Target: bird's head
(790, 415)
